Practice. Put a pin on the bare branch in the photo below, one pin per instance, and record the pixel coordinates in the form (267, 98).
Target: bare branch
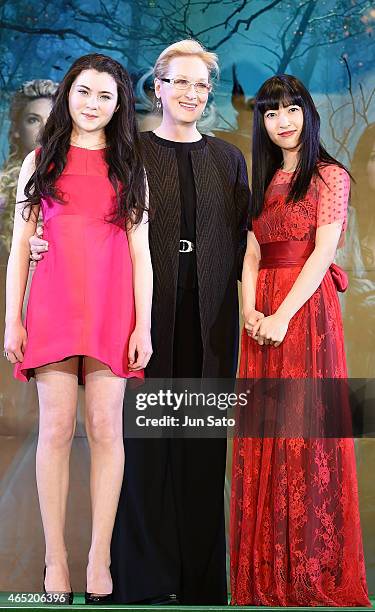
(296, 40)
(239, 22)
(59, 33)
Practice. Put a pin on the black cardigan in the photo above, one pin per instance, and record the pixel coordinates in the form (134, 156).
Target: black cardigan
(223, 200)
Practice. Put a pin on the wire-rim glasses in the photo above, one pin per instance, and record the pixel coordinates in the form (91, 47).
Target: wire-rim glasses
(183, 84)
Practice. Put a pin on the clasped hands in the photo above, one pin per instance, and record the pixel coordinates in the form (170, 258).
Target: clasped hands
(269, 330)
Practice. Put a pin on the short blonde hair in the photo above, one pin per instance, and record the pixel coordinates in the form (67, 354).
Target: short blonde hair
(186, 47)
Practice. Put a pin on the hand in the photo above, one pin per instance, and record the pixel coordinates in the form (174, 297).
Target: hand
(140, 349)
(251, 317)
(37, 244)
(270, 330)
(15, 341)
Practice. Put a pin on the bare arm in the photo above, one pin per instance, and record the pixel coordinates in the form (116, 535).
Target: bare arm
(313, 272)
(249, 282)
(242, 199)
(140, 349)
(18, 267)
(273, 328)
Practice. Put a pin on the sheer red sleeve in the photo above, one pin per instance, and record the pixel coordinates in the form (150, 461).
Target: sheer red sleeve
(334, 188)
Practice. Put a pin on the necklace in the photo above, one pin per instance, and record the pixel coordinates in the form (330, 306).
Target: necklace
(98, 144)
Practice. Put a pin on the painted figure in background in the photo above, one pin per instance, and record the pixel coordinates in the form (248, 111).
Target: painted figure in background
(88, 178)
(295, 528)
(29, 111)
(363, 169)
(361, 312)
(241, 133)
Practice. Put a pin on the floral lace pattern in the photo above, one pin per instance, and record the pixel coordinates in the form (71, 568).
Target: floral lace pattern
(295, 527)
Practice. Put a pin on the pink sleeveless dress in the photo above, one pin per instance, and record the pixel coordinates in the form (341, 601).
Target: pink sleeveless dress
(81, 300)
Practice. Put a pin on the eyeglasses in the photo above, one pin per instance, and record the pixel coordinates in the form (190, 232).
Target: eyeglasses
(183, 84)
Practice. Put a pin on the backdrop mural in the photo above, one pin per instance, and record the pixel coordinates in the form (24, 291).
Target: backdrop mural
(329, 45)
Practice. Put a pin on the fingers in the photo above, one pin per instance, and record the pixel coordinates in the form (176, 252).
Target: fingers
(267, 341)
(37, 245)
(35, 257)
(256, 327)
(14, 356)
(23, 345)
(249, 328)
(131, 353)
(143, 357)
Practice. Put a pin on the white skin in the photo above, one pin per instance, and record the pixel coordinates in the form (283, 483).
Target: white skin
(284, 127)
(182, 109)
(34, 118)
(92, 103)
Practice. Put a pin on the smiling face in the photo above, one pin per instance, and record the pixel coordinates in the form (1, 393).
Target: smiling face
(284, 126)
(92, 100)
(183, 106)
(33, 120)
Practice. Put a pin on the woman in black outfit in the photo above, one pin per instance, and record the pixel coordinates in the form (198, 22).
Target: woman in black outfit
(169, 537)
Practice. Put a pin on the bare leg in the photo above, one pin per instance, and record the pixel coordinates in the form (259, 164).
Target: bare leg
(57, 389)
(104, 401)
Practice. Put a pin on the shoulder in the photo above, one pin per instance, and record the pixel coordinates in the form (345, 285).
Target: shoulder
(144, 136)
(28, 164)
(221, 145)
(227, 154)
(333, 175)
(147, 141)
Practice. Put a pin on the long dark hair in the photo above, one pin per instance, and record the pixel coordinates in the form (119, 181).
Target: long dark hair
(122, 154)
(286, 90)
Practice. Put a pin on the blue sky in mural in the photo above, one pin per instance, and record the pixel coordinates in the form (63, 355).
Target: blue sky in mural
(324, 42)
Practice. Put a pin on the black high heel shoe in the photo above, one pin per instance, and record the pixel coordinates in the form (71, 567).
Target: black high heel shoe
(64, 597)
(97, 600)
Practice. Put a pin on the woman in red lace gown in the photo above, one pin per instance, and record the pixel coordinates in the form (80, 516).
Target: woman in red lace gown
(295, 527)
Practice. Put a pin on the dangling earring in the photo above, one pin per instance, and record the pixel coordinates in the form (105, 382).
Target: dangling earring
(158, 105)
(205, 113)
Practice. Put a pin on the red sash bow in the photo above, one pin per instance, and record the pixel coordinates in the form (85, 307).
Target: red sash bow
(294, 253)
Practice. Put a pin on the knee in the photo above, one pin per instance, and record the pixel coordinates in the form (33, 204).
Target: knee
(57, 432)
(103, 428)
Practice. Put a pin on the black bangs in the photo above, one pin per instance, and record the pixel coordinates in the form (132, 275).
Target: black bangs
(279, 90)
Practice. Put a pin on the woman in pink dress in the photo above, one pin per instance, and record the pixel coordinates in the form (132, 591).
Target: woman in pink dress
(295, 529)
(90, 321)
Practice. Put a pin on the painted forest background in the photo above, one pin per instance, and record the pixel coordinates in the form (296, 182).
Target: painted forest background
(330, 46)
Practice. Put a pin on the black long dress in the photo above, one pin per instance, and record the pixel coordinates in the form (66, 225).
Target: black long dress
(169, 535)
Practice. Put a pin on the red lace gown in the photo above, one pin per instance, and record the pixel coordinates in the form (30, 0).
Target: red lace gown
(295, 528)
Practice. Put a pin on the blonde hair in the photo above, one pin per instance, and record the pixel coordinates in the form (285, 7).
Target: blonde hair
(186, 47)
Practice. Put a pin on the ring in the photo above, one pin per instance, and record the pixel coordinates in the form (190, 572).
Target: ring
(5, 354)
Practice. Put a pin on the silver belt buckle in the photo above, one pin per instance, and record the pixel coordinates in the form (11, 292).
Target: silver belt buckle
(186, 246)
